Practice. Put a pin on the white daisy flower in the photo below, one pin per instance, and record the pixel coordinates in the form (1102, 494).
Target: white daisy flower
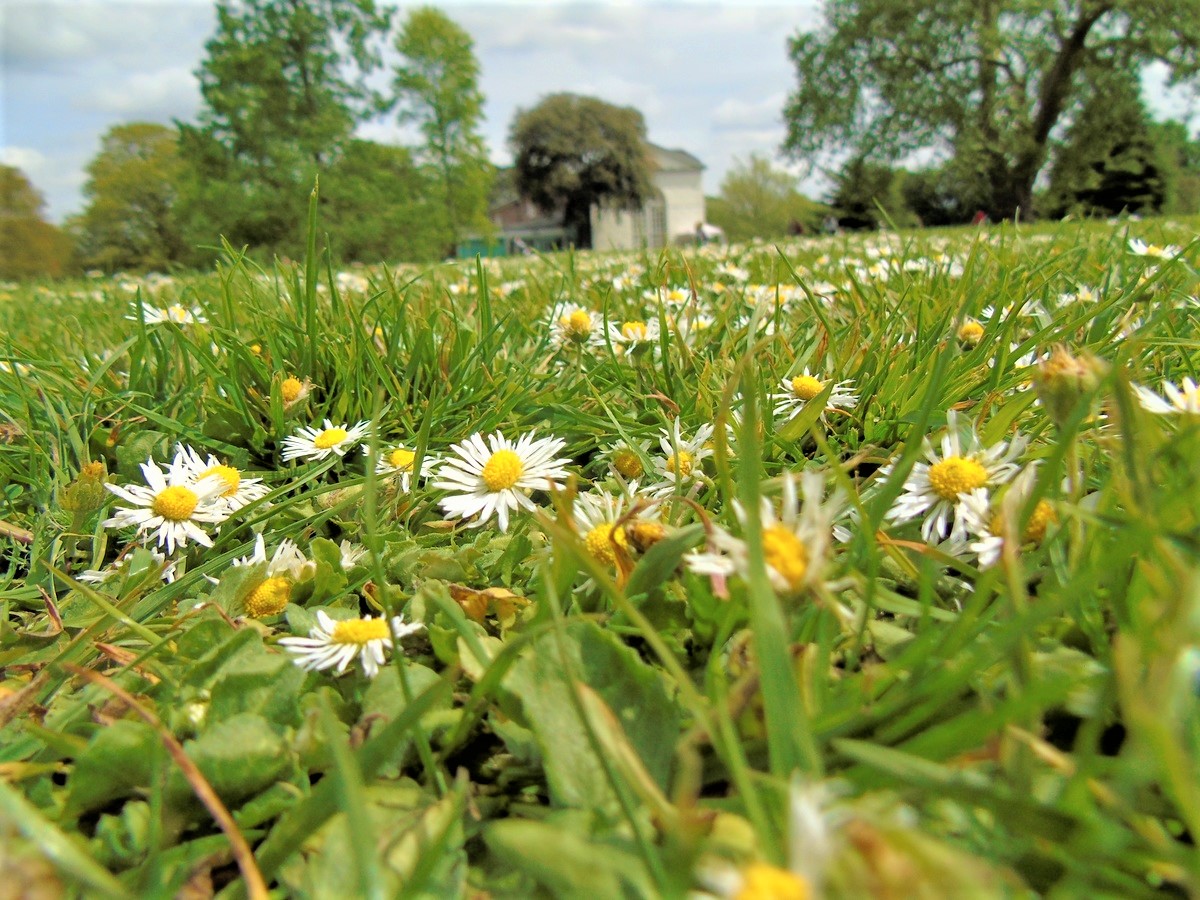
(319, 443)
(572, 325)
(595, 515)
(335, 643)
(1138, 247)
(497, 477)
(679, 467)
(986, 524)
(351, 555)
(937, 487)
(238, 492)
(179, 315)
(801, 389)
(287, 560)
(630, 336)
(1177, 400)
(105, 575)
(397, 464)
(795, 542)
(172, 504)
(626, 460)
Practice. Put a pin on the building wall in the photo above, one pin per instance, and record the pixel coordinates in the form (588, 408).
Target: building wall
(685, 202)
(621, 229)
(615, 229)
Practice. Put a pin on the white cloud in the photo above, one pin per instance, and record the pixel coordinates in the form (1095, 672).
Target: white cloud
(736, 114)
(167, 93)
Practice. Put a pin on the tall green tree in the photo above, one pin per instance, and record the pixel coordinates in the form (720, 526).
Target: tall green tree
(133, 184)
(989, 79)
(437, 89)
(572, 152)
(284, 84)
(760, 200)
(29, 245)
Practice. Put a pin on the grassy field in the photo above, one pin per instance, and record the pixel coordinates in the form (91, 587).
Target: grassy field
(848, 567)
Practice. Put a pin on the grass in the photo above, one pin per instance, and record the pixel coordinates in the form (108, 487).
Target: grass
(583, 713)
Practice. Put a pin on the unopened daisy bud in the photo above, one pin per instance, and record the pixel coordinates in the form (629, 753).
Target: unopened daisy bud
(628, 464)
(86, 492)
(1062, 380)
(970, 333)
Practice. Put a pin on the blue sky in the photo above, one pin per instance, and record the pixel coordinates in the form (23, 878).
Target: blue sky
(710, 78)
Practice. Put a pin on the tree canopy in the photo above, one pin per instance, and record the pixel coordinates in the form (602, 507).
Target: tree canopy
(992, 80)
(437, 89)
(758, 199)
(29, 245)
(572, 152)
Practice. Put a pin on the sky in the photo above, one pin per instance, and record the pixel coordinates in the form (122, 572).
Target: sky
(710, 78)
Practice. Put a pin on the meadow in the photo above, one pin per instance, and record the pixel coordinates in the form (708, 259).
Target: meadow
(857, 566)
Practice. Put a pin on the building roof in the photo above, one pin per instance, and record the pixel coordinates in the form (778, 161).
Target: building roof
(674, 160)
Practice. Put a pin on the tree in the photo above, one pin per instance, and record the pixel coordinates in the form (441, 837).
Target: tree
(284, 84)
(573, 152)
(867, 194)
(132, 187)
(759, 200)
(989, 79)
(29, 245)
(437, 89)
(1110, 160)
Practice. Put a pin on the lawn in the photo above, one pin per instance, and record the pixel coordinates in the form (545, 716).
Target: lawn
(860, 566)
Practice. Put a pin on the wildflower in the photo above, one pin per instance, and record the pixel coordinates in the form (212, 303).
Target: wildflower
(154, 559)
(572, 325)
(970, 333)
(497, 477)
(172, 504)
(988, 526)
(351, 555)
(1177, 400)
(286, 566)
(936, 488)
(633, 335)
(238, 491)
(795, 543)
(316, 443)
(801, 389)
(679, 466)
(596, 515)
(331, 643)
(175, 314)
(1138, 247)
(293, 391)
(1062, 380)
(396, 463)
(626, 460)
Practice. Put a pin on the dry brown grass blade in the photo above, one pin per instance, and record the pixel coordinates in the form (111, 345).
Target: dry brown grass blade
(18, 534)
(256, 887)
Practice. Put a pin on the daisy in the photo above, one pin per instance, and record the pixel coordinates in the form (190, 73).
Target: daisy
(351, 555)
(596, 515)
(630, 336)
(497, 477)
(936, 488)
(626, 460)
(331, 643)
(155, 559)
(171, 504)
(396, 463)
(292, 391)
(572, 325)
(238, 491)
(175, 314)
(286, 566)
(1186, 400)
(795, 542)
(801, 389)
(1138, 247)
(986, 524)
(679, 466)
(314, 443)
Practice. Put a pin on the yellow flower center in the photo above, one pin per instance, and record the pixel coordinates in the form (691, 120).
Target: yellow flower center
(806, 387)
(256, 349)
(177, 314)
(93, 471)
(1154, 250)
(269, 598)
(970, 333)
(763, 882)
(786, 554)
(634, 331)
(956, 475)
(291, 389)
(577, 325)
(1043, 516)
(330, 437)
(228, 474)
(644, 535)
(359, 631)
(628, 463)
(502, 471)
(175, 503)
(401, 459)
(680, 464)
(600, 540)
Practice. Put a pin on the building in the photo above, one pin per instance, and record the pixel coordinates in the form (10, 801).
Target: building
(668, 217)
